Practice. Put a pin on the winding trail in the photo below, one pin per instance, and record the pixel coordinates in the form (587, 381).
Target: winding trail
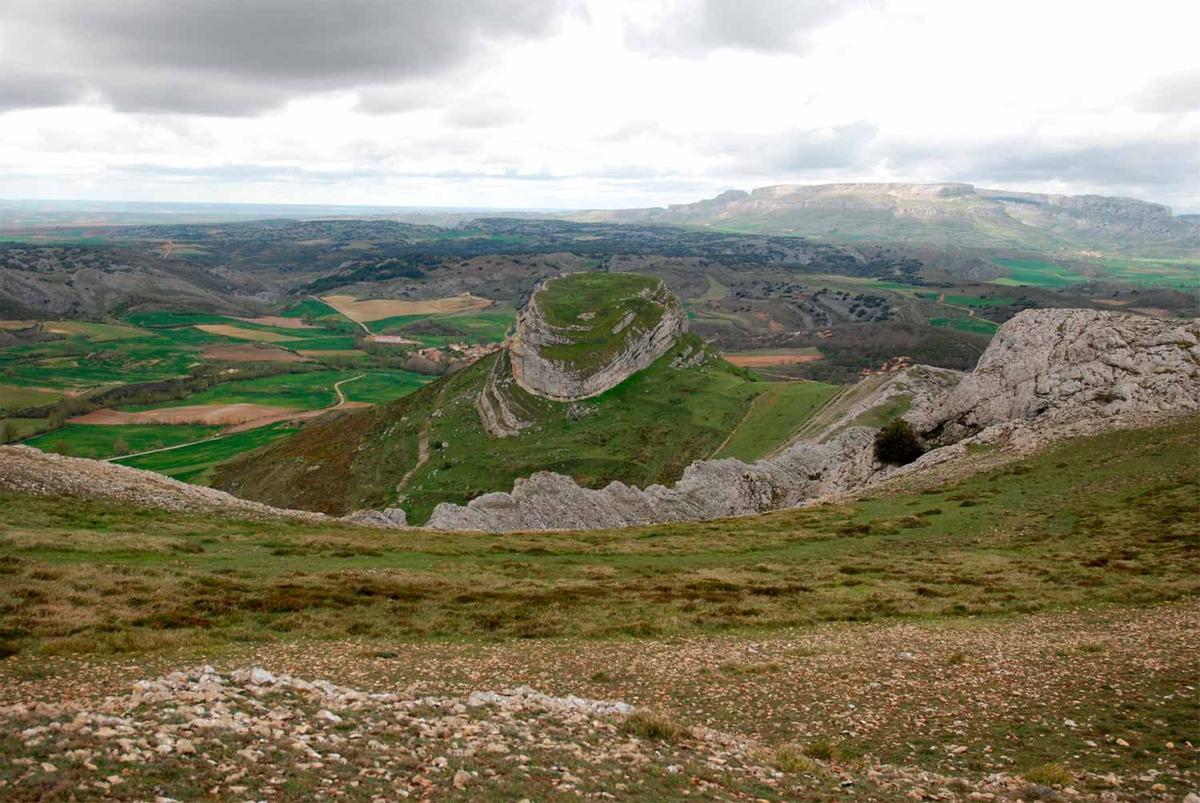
(422, 447)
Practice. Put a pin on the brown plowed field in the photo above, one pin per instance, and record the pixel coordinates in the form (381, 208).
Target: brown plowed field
(211, 414)
(250, 353)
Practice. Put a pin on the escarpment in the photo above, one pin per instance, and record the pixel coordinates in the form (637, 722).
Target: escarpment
(1047, 373)
(567, 357)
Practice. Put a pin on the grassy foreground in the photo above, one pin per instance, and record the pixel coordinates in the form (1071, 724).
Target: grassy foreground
(1112, 519)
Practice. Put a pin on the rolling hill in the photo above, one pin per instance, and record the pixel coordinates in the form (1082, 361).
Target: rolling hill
(934, 214)
(666, 400)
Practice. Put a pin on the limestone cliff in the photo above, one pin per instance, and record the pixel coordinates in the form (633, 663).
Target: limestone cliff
(1070, 364)
(1045, 372)
(645, 331)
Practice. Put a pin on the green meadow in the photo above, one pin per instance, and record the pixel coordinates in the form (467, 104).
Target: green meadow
(195, 463)
(1036, 273)
(88, 440)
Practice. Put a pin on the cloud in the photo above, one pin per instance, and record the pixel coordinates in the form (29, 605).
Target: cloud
(1178, 93)
(796, 151)
(693, 28)
(231, 57)
(1156, 166)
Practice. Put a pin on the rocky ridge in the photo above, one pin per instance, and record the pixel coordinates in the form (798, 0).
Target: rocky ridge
(1052, 367)
(1067, 365)
(551, 379)
(27, 470)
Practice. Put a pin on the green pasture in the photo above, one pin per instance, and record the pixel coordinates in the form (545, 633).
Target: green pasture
(774, 416)
(1036, 273)
(195, 462)
(87, 440)
(979, 326)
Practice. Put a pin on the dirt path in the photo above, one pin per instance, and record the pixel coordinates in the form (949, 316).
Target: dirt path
(422, 448)
(337, 388)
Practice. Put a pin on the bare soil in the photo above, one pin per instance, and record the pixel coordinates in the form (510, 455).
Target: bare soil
(250, 353)
(379, 308)
(226, 330)
(212, 414)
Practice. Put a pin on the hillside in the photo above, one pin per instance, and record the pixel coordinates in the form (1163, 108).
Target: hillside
(934, 214)
(964, 638)
(479, 430)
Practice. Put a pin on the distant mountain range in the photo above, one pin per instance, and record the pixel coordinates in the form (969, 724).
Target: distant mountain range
(933, 214)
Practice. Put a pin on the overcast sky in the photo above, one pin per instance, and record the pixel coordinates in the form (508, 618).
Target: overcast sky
(571, 103)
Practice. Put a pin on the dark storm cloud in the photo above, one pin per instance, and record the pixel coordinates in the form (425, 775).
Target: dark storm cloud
(696, 27)
(236, 57)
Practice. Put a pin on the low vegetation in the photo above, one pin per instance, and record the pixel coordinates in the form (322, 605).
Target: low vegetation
(1110, 519)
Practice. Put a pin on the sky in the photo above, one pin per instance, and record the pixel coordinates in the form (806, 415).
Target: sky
(592, 103)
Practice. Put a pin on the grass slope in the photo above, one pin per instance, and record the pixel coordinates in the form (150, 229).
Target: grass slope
(196, 462)
(1108, 519)
(645, 430)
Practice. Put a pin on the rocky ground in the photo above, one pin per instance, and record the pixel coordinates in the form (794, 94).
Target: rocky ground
(1092, 705)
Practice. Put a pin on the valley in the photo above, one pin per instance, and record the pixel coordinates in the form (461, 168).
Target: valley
(521, 507)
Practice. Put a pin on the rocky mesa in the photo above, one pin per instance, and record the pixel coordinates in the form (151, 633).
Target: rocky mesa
(1046, 371)
(583, 334)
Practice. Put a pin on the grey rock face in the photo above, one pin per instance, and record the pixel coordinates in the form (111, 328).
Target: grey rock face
(1071, 364)
(709, 489)
(1060, 369)
(388, 517)
(552, 380)
(838, 458)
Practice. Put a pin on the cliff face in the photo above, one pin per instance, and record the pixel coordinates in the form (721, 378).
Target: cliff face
(1070, 364)
(1047, 374)
(643, 337)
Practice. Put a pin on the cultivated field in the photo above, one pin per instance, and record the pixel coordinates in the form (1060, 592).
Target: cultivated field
(365, 311)
(208, 414)
(249, 353)
(762, 358)
(243, 334)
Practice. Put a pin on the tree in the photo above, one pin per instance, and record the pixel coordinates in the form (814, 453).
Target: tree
(897, 444)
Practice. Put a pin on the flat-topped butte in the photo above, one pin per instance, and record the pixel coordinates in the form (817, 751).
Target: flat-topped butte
(585, 333)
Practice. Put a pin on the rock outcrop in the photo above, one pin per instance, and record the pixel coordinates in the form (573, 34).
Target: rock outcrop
(1070, 364)
(32, 471)
(839, 458)
(643, 342)
(1045, 370)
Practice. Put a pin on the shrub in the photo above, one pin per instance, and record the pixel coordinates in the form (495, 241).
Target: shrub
(653, 728)
(897, 444)
(791, 758)
(1050, 775)
(821, 749)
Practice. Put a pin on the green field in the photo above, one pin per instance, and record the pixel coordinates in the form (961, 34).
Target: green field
(15, 397)
(1177, 274)
(381, 387)
(1036, 273)
(85, 440)
(776, 414)
(980, 326)
(645, 430)
(195, 463)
